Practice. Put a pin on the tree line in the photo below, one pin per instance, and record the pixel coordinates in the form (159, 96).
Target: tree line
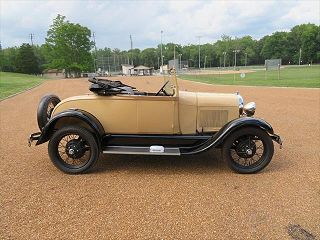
(69, 46)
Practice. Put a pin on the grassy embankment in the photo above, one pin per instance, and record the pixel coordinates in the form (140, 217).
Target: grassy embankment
(304, 76)
(11, 83)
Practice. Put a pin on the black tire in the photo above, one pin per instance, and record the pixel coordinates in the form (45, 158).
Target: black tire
(45, 108)
(246, 141)
(81, 141)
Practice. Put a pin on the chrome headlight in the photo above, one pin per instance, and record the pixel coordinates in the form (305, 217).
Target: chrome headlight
(240, 99)
(249, 109)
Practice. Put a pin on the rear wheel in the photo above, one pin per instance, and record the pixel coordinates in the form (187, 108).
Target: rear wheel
(73, 149)
(248, 150)
(45, 108)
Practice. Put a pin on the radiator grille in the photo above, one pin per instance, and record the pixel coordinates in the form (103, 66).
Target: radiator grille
(213, 118)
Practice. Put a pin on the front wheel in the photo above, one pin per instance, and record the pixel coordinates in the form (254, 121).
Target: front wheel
(73, 149)
(248, 150)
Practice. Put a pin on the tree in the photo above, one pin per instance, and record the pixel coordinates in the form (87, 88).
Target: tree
(68, 46)
(8, 59)
(26, 61)
(149, 56)
(276, 46)
(307, 38)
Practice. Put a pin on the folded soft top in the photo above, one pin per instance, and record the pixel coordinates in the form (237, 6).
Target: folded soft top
(108, 87)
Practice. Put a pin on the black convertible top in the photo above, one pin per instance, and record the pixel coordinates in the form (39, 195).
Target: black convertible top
(108, 87)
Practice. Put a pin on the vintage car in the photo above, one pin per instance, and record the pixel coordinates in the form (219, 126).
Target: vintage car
(118, 119)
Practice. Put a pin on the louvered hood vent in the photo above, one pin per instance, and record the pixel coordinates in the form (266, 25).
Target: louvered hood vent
(213, 118)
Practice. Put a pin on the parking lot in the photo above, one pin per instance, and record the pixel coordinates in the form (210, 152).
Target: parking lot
(143, 197)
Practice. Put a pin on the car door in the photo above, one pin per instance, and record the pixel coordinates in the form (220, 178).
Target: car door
(157, 114)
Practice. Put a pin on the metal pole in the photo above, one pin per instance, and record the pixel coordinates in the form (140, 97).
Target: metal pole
(224, 59)
(299, 56)
(235, 58)
(199, 50)
(95, 50)
(162, 59)
(245, 62)
(180, 61)
(174, 56)
(161, 54)
(31, 38)
(205, 61)
(235, 63)
(131, 50)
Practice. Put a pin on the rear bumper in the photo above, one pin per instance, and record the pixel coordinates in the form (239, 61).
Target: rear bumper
(33, 137)
(277, 139)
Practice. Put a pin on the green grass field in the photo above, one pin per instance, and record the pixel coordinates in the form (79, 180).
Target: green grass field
(11, 83)
(305, 76)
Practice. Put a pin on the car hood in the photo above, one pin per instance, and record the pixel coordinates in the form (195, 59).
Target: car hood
(203, 99)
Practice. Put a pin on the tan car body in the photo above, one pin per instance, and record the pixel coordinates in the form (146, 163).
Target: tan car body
(182, 113)
(169, 122)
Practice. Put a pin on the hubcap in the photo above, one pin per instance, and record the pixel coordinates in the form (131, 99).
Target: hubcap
(246, 148)
(248, 151)
(75, 148)
(71, 151)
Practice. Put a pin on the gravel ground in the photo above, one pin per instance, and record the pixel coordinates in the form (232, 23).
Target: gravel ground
(141, 197)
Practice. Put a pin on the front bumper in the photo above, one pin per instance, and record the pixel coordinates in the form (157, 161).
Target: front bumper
(277, 139)
(33, 137)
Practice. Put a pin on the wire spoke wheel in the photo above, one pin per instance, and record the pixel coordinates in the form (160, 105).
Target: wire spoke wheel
(73, 149)
(248, 150)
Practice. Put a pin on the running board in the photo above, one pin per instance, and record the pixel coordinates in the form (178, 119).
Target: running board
(140, 150)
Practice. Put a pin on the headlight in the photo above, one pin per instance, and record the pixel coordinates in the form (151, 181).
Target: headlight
(249, 109)
(240, 103)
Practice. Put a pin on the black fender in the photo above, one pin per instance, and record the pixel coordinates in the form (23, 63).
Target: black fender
(84, 116)
(218, 138)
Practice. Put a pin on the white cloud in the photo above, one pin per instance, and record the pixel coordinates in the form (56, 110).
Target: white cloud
(305, 11)
(181, 21)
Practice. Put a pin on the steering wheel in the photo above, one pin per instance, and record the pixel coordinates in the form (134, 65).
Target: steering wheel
(162, 89)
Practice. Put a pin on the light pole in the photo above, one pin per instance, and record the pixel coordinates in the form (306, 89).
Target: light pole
(180, 61)
(174, 56)
(95, 50)
(245, 60)
(158, 62)
(161, 54)
(95, 65)
(162, 63)
(205, 62)
(224, 59)
(199, 49)
(300, 57)
(235, 57)
(131, 50)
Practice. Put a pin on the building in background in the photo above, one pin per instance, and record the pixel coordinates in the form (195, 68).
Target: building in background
(141, 71)
(126, 69)
(164, 69)
(54, 73)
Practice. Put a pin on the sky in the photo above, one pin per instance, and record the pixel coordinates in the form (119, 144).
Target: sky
(181, 21)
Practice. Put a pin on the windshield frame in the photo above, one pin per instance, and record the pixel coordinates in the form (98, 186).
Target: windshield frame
(171, 88)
